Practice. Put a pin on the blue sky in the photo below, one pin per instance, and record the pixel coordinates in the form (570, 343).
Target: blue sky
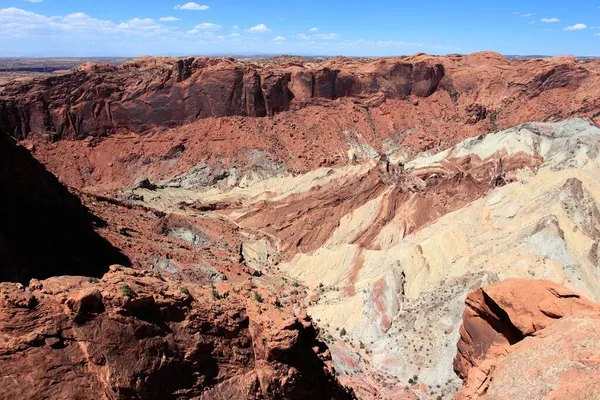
(311, 27)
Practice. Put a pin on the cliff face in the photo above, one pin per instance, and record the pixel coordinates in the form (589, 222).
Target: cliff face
(44, 229)
(98, 100)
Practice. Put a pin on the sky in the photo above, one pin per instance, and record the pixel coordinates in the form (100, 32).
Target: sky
(61, 28)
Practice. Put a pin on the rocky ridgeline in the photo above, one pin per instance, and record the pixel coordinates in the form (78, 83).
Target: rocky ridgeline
(98, 100)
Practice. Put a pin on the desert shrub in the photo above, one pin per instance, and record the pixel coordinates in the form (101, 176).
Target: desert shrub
(258, 297)
(126, 291)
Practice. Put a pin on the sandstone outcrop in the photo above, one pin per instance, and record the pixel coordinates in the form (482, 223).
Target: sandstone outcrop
(133, 334)
(99, 100)
(528, 339)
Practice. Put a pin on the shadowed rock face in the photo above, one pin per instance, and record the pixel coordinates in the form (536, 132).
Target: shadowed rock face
(44, 229)
(512, 329)
(98, 100)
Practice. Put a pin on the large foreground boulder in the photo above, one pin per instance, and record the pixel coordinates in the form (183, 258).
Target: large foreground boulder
(526, 339)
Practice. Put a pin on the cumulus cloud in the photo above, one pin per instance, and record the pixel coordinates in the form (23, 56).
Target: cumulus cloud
(235, 27)
(313, 30)
(326, 36)
(550, 20)
(302, 36)
(192, 6)
(259, 29)
(234, 35)
(576, 27)
(15, 22)
(205, 27)
(279, 39)
(168, 19)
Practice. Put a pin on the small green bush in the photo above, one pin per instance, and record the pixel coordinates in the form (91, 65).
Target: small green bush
(185, 290)
(258, 297)
(126, 291)
(215, 293)
(343, 332)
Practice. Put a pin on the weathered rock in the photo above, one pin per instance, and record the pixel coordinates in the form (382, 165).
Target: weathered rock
(147, 93)
(513, 329)
(155, 340)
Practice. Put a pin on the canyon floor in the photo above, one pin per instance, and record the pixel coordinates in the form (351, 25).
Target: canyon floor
(407, 228)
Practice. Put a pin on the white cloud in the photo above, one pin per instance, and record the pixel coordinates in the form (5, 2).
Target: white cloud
(260, 28)
(313, 30)
(527, 15)
(15, 22)
(205, 27)
(302, 36)
(34, 1)
(279, 39)
(531, 22)
(141, 24)
(550, 20)
(326, 36)
(168, 19)
(192, 6)
(235, 27)
(234, 35)
(517, 13)
(576, 27)
(597, 34)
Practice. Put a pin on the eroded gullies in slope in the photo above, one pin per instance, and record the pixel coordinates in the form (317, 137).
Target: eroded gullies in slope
(522, 229)
(388, 250)
(426, 248)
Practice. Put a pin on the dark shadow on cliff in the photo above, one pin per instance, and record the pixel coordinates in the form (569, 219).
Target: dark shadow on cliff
(44, 229)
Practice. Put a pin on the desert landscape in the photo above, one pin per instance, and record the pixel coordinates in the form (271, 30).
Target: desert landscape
(270, 220)
(394, 228)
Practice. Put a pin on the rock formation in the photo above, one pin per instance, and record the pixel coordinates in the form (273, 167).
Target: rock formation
(528, 339)
(374, 195)
(98, 100)
(133, 334)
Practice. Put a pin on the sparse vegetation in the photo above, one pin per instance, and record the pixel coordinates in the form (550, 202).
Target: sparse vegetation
(185, 290)
(454, 95)
(493, 118)
(343, 332)
(258, 297)
(126, 291)
(215, 292)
